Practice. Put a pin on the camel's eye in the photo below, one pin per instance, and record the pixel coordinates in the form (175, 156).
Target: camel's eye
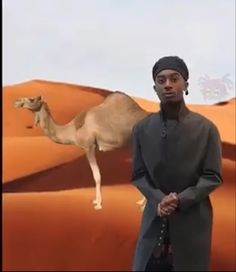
(31, 99)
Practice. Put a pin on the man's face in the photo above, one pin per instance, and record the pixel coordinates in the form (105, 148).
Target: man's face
(169, 86)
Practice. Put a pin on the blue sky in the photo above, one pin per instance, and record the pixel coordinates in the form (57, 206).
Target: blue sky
(113, 44)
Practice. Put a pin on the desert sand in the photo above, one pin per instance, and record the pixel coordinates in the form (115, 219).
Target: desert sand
(49, 223)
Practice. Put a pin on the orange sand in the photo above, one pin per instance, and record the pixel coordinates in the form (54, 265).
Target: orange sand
(48, 220)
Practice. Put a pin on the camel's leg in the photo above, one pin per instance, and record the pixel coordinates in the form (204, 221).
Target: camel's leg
(142, 203)
(90, 153)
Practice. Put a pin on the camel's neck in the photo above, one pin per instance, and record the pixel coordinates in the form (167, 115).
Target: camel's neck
(62, 134)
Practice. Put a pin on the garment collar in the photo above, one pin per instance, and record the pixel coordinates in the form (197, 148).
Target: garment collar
(175, 111)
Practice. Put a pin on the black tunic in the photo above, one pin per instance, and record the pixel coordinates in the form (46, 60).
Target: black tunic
(182, 156)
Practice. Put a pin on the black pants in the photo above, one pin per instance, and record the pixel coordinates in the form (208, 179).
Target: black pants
(162, 263)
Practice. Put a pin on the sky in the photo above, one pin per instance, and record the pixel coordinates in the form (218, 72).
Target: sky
(113, 44)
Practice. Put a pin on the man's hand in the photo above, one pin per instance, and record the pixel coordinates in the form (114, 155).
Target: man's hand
(168, 205)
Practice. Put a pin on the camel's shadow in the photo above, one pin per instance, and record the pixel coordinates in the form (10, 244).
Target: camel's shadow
(115, 169)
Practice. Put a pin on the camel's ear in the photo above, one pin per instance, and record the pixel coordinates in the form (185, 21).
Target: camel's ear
(39, 97)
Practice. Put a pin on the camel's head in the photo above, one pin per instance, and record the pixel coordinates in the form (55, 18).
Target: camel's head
(32, 103)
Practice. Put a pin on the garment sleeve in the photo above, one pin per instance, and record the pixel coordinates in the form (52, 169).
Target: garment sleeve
(140, 177)
(211, 175)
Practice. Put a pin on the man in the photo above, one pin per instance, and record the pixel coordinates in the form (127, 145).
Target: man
(176, 165)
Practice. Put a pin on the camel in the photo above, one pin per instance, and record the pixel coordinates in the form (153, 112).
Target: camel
(105, 127)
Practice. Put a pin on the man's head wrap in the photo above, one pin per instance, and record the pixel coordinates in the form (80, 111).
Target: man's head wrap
(172, 63)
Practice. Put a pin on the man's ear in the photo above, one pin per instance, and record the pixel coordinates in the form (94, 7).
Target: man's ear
(155, 88)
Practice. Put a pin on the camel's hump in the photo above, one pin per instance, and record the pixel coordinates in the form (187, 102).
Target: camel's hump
(119, 97)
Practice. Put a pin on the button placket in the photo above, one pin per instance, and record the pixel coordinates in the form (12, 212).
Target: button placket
(163, 225)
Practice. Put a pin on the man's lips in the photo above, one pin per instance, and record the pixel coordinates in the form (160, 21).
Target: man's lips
(169, 94)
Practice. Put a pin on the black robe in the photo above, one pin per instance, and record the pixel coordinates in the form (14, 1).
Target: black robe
(180, 155)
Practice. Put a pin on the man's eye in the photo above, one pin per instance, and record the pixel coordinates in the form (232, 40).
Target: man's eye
(174, 79)
(160, 81)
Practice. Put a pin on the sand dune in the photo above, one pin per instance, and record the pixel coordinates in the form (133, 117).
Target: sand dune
(65, 234)
(31, 219)
(23, 156)
(64, 101)
(48, 220)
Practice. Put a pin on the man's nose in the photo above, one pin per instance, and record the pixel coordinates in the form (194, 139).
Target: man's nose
(168, 85)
